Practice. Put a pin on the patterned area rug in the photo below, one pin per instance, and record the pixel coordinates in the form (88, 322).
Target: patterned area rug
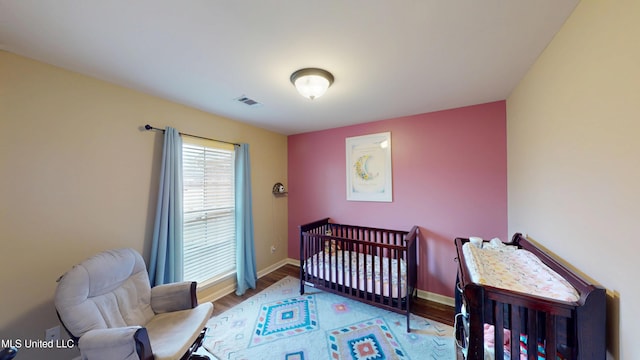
(278, 323)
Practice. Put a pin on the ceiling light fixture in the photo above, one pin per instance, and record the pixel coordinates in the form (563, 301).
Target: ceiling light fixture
(311, 82)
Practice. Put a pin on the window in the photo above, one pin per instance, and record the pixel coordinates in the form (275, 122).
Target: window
(209, 210)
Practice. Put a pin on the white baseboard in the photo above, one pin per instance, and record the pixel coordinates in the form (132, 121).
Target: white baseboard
(440, 299)
(273, 267)
(294, 262)
(426, 295)
(228, 289)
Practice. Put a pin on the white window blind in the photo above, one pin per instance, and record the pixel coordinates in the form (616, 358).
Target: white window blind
(209, 210)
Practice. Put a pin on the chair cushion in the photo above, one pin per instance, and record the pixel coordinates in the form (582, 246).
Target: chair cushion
(110, 289)
(172, 333)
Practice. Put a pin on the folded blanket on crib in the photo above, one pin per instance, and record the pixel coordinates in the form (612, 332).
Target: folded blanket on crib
(510, 268)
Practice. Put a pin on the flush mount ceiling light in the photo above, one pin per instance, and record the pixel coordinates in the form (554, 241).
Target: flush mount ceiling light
(311, 82)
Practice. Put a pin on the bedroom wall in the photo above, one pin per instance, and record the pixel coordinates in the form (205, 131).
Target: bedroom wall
(79, 177)
(574, 155)
(449, 178)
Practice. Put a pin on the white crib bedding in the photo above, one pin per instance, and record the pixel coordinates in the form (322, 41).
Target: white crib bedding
(325, 266)
(514, 269)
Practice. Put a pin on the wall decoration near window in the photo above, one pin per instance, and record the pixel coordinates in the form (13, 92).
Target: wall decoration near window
(369, 168)
(279, 189)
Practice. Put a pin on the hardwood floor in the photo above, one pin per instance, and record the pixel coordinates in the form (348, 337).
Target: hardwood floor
(428, 309)
(425, 308)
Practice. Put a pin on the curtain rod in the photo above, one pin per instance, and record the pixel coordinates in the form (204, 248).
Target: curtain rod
(149, 127)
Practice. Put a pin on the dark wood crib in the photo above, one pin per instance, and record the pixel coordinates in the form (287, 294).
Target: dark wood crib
(329, 252)
(566, 330)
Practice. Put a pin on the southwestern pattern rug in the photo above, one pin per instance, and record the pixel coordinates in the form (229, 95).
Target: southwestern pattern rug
(279, 323)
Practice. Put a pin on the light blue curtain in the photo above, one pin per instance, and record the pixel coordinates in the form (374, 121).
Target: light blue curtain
(166, 265)
(245, 249)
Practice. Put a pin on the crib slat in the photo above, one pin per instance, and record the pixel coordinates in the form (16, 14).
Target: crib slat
(498, 312)
(399, 282)
(310, 243)
(327, 255)
(364, 259)
(388, 275)
(357, 284)
(572, 338)
(550, 337)
(372, 251)
(516, 330)
(532, 333)
(379, 251)
(343, 264)
(352, 277)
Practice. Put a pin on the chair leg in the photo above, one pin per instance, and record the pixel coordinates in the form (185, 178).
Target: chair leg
(199, 340)
(197, 345)
(194, 347)
(199, 357)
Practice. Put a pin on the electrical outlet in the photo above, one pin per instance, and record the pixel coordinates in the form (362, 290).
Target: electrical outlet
(273, 249)
(52, 333)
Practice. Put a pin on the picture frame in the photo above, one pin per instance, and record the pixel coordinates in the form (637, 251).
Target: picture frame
(369, 170)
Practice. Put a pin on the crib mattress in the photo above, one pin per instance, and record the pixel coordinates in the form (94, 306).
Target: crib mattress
(514, 269)
(356, 274)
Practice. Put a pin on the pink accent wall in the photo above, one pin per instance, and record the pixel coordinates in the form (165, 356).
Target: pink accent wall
(449, 178)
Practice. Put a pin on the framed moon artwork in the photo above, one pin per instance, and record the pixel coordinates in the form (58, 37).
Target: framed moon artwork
(369, 168)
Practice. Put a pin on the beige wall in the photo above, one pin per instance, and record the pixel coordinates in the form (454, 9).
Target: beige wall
(574, 155)
(77, 176)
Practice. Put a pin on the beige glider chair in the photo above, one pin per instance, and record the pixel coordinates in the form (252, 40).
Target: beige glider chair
(108, 307)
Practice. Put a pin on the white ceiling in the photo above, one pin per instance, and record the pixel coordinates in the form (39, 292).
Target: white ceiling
(389, 58)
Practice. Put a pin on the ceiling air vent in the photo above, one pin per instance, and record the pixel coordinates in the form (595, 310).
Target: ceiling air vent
(247, 101)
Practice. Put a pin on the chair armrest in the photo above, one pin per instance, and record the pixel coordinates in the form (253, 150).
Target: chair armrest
(174, 297)
(128, 343)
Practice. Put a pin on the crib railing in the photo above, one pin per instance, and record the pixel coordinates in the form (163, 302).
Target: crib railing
(567, 330)
(323, 265)
(530, 320)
